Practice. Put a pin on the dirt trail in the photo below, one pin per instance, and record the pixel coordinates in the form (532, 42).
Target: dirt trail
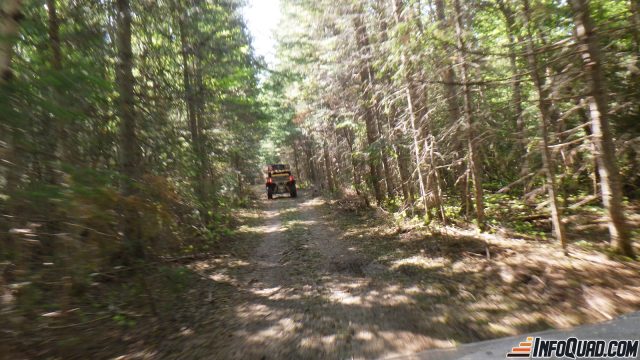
(303, 281)
(304, 293)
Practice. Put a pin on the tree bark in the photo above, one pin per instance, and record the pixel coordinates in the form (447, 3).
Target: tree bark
(404, 158)
(51, 123)
(368, 100)
(610, 185)
(472, 153)
(448, 75)
(54, 35)
(544, 106)
(398, 146)
(398, 8)
(129, 148)
(516, 87)
(634, 6)
(307, 148)
(10, 17)
(386, 164)
(296, 161)
(192, 109)
(327, 165)
(348, 136)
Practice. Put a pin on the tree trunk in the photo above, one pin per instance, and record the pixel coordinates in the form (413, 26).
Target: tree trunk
(54, 36)
(473, 156)
(10, 16)
(398, 6)
(51, 123)
(51, 129)
(397, 144)
(404, 158)
(448, 75)
(199, 96)
(386, 164)
(368, 99)
(327, 165)
(434, 175)
(306, 146)
(544, 106)
(634, 7)
(516, 87)
(521, 150)
(584, 118)
(603, 139)
(296, 161)
(129, 148)
(192, 110)
(348, 135)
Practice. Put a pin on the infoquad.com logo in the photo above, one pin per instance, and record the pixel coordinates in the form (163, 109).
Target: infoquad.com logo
(537, 348)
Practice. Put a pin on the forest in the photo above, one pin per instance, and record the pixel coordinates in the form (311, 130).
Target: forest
(469, 148)
(440, 108)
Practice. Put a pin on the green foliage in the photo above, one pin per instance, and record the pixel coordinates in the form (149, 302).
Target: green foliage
(404, 49)
(177, 278)
(63, 204)
(394, 204)
(527, 228)
(123, 320)
(452, 211)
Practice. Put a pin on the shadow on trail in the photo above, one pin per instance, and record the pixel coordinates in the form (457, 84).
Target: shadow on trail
(319, 287)
(283, 197)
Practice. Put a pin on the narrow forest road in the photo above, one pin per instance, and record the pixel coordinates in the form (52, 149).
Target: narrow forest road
(306, 279)
(303, 293)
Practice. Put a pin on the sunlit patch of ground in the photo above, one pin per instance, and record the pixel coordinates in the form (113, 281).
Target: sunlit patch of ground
(307, 280)
(420, 261)
(496, 285)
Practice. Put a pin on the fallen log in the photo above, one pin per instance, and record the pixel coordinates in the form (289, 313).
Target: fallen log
(584, 201)
(521, 180)
(533, 217)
